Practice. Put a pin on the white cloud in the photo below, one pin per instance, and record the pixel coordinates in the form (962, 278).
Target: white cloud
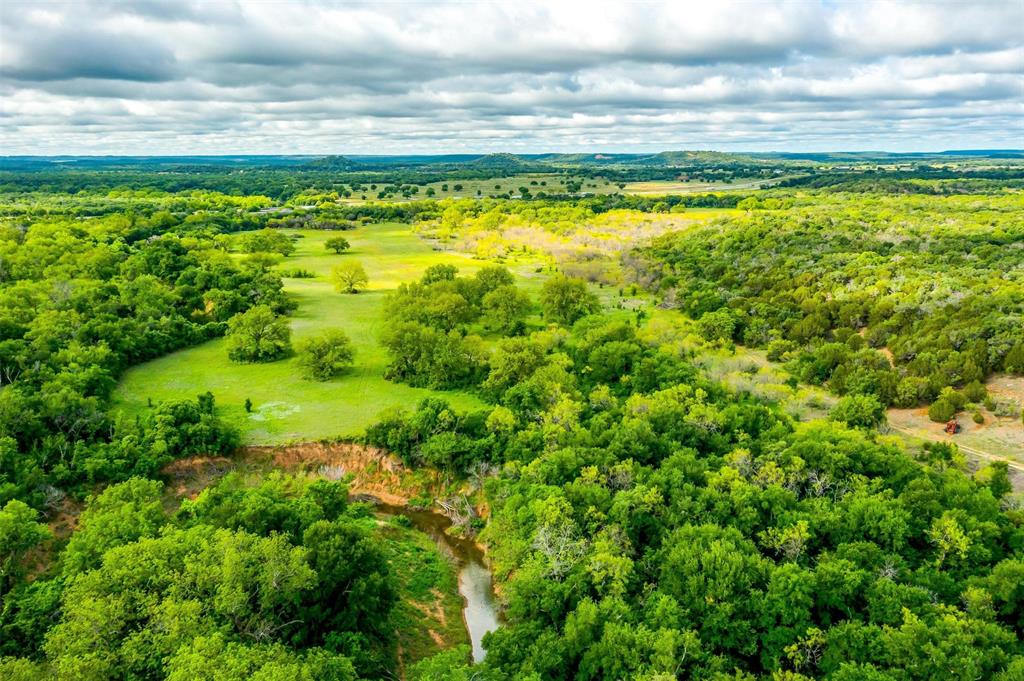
(316, 77)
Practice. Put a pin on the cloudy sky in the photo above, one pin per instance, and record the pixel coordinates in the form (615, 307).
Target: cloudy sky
(172, 76)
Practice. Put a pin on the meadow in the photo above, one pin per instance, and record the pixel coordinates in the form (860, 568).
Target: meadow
(286, 407)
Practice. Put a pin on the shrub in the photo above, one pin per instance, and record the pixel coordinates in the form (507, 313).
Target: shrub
(941, 410)
(975, 391)
(778, 348)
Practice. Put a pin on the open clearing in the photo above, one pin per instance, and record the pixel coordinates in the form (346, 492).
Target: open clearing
(658, 187)
(550, 183)
(286, 407)
(999, 438)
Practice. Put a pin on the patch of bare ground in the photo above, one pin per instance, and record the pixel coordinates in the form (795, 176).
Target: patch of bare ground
(371, 471)
(186, 478)
(996, 438)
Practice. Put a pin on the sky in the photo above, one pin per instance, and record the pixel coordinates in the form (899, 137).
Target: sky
(152, 77)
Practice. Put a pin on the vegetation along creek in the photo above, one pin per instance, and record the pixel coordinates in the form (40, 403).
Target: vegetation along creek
(480, 611)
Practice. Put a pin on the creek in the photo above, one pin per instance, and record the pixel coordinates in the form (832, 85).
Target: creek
(480, 609)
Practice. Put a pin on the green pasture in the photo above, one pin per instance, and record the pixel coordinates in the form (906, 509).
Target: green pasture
(286, 407)
(551, 183)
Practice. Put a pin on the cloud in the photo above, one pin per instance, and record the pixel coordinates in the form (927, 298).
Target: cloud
(169, 76)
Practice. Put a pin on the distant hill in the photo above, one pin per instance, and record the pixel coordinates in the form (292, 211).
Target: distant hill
(333, 163)
(500, 161)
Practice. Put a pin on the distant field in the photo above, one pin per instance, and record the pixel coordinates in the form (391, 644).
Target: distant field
(551, 183)
(286, 407)
(681, 187)
(554, 183)
(536, 183)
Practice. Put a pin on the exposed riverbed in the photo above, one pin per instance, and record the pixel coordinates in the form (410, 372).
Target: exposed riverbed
(480, 610)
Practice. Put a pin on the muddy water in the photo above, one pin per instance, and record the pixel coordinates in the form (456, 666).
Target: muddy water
(480, 611)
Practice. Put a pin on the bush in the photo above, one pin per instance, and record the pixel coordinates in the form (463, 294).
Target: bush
(978, 418)
(778, 348)
(912, 391)
(1014, 362)
(957, 399)
(941, 410)
(975, 391)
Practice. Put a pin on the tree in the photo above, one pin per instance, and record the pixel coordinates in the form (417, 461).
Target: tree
(258, 335)
(19, 532)
(214, 658)
(155, 595)
(1014, 361)
(858, 411)
(337, 244)
(941, 410)
(716, 326)
(505, 308)
(322, 357)
(566, 300)
(266, 241)
(436, 273)
(121, 514)
(349, 277)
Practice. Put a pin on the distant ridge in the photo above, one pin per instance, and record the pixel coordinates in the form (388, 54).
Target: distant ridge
(500, 161)
(333, 163)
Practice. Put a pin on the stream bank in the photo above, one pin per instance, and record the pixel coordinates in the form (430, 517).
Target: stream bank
(480, 610)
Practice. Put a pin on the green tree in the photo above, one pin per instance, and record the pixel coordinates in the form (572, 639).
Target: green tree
(565, 300)
(266, 241)
(19, 532)
(214, 658)
(258, 335)
(324, 356)
(440, 272)
(349, 277)
(121, 514)
(337, 244)
(941, 410)
(505, 308)
(858, 411)
(716, 326)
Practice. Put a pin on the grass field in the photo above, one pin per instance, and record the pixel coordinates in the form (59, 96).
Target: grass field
(551, 183)
(286, 407)
(660, 187)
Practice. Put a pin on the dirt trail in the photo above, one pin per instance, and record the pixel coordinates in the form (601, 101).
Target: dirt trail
(1016, 468)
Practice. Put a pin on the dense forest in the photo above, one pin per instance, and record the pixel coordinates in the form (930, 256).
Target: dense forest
(642, 520)
(830, 283)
